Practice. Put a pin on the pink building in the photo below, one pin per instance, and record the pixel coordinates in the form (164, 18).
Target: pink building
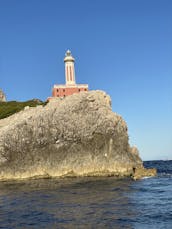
(62, 90)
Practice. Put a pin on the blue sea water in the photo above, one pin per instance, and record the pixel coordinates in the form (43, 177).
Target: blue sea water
(89, 202)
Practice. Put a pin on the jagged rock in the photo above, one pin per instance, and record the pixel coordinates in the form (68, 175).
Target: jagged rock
(142, 172)
(2, 96)
(38, 101)
(75, 136)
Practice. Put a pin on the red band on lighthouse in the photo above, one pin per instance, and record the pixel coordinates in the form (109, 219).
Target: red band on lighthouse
(67, 75)
(71, 74)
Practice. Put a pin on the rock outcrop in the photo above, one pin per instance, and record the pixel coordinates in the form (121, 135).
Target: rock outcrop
(142, 172)
(75, 136)
(2, 96)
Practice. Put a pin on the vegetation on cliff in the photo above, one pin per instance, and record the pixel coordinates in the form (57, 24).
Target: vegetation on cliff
(12, 107)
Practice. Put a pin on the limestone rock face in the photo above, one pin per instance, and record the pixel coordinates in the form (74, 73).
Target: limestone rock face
(2, 96)
(75, 136)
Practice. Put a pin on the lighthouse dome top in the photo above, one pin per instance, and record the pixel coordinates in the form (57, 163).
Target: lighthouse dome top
(68, 56)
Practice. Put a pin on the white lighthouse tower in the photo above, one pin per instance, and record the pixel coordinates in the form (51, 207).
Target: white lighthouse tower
(69, 68)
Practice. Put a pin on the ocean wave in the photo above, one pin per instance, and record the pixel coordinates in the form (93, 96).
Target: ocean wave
(168, 175)
(143, 178)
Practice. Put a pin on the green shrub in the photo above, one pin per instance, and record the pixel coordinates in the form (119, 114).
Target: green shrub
(12, 107)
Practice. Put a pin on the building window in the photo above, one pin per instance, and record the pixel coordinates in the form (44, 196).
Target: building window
(85, 89)
(79, 89)
(57, 90)
(63, 90)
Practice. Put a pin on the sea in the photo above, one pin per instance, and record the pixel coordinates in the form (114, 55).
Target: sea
(99, 202)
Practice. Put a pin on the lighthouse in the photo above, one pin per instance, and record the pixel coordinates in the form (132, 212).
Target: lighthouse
(69, 68)
(71, 87)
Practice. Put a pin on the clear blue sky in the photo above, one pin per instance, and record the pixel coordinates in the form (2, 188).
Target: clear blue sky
(121, 46)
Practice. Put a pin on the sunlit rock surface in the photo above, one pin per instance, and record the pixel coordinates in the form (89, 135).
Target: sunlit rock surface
(75, 136)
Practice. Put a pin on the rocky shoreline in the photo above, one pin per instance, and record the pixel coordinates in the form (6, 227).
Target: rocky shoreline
(75, 136)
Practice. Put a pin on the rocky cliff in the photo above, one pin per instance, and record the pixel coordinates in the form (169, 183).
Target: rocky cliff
(75, 136)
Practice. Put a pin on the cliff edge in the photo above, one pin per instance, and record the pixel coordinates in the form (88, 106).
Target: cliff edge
(75, 136)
